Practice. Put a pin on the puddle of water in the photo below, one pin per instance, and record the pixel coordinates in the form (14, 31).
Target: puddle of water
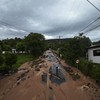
(55, 68)
(57, 80)
(56, 75)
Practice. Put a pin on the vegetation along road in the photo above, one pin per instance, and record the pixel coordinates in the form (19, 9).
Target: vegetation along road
(40, 69)
(46, 79)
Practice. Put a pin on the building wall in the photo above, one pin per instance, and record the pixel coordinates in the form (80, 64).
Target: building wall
(91, 57)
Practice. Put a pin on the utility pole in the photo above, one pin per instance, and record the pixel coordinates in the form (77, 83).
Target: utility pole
(59, 42)
(94, 6)
(59, 37)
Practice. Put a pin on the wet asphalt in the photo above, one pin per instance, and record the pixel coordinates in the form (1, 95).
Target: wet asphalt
(56, 73)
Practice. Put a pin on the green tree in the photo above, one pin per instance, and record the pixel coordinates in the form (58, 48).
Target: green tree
(20, 46)
(10, 59)
(1, 59)
(0, 49)
(95, 73)
(11, 42)
(85, 66)
(35, 43)
(6, 47)
(75, 49)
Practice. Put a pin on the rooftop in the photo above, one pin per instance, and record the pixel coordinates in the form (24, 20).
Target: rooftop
(94, 46)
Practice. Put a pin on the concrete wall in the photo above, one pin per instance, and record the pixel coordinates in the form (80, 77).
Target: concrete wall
(91, 57)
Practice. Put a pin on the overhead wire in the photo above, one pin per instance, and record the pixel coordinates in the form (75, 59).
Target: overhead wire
(86, 32)
(77, 13)
(90, 24)
(12, 26)
(87, 26)
(93, 5)
(92, 29)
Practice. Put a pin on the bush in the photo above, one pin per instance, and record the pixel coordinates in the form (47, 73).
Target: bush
(6, 62)
(95, 73)
(10, 59)
(22, 58)
(1, 60)
(4, 69)
(85, 66)
(90, 69)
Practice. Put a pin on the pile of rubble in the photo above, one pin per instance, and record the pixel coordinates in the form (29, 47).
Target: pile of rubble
(92, 89)
(73, 74)
(23, 75)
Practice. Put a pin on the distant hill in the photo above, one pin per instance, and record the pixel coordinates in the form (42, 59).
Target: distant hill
(56, 43)
(58, 40)
(96, 43)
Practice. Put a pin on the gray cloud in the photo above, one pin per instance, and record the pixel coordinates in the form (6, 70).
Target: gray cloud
(50, 17)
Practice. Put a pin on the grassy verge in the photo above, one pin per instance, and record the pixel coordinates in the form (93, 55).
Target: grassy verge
(22, 58)
(90, 69)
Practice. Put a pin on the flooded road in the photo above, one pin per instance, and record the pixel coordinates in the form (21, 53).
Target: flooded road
(55, 70)
(46, 79)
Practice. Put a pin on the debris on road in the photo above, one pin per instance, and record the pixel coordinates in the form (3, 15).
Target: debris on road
(46, 79)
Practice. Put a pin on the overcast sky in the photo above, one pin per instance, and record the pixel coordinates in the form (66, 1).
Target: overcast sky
(49, 17)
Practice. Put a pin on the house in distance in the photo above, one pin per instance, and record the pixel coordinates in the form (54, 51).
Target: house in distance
(94, 53)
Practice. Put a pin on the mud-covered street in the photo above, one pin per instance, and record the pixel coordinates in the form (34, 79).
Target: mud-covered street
(47, 79)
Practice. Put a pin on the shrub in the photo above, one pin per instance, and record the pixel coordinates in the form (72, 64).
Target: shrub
(10, 59)
(90, 69)
(95, 73)
(4, 69)
(85, 66)
(1, 60)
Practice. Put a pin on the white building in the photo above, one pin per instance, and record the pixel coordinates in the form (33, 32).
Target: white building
(20, 52)
(14, 51)
(94, 53)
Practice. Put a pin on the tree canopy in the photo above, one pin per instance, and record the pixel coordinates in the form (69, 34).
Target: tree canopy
(1, 59)
(75, 49)
(10, 59)
(20, 46)
(34, 43)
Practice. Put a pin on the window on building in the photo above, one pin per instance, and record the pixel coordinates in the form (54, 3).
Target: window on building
(96, 52)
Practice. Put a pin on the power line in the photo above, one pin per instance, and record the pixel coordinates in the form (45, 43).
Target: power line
(92, 21)
(12, 26)
(92, 29)
(93, 5)
(90, 24)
